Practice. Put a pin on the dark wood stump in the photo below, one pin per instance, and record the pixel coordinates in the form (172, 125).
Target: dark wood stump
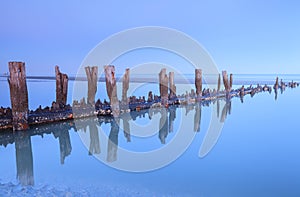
(219, 83)
(225, 81)
(125, 86)
(61, 87)
(111, 89)
(198, 82)
(172, 87)
(92, 77)
(163, 86)
(18, 95)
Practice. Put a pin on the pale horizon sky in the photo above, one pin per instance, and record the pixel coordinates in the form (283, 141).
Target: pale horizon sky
(242, 37)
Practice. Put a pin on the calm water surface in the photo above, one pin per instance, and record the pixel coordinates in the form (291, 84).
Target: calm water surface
(257, 153)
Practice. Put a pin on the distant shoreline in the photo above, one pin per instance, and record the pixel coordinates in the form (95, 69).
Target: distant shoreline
(240, 79)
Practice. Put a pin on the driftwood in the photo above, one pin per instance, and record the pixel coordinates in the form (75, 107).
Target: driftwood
(111, 89)
(198, 82)
(92, 77)
(18, 95)
(61, 87)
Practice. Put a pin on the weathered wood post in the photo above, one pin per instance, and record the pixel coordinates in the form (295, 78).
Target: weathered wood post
(276, 85)
(242, 93)
(172, 87)
(163, 86)
(125, 86)
(231, 81)
(92, 77)
(225, 81)
(61, 87)
(111, 89)
(219, 83)
(198, 82)
(18, 95)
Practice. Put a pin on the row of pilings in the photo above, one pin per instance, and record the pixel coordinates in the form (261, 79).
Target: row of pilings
(167, 90)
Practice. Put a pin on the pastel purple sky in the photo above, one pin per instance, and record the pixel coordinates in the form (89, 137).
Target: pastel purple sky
(241, 36)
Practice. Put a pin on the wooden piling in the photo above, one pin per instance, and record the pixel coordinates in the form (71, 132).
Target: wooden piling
(276, 85)
(225, 81)
(125, 86)
(172, 87)
(92, 77)
(231, 81)
(18, 95)
(219, 83)
(61, 87)
(163, 86)
(111, 89)
(198, 82)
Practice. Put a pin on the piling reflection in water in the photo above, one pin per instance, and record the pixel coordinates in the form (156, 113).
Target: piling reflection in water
(197, 117)
(24, 158)
(113, 141)
(64, 143)
(94, 147)
(91, 127)
(23, 147)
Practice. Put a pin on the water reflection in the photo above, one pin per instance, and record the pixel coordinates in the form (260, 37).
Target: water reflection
(92, 126)
(211, 138)
(64, 143)
(197, 117)
(23, 147)
(113, 141)
(94, 147)
(24, 158)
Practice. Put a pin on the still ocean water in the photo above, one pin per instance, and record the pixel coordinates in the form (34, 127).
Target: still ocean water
(257, 153)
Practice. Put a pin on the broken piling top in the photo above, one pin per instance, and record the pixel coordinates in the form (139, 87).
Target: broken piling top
(111, 89)
(225, 81)
(61, 86)
(92, 77)
(219, 83)
(172, 87)
(163, 83)
(276, 85)
(110, 79)
(125, 84)
(231, 82)
(198, 81)
(18, 95)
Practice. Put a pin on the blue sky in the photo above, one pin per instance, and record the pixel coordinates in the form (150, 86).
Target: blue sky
(241, 36)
